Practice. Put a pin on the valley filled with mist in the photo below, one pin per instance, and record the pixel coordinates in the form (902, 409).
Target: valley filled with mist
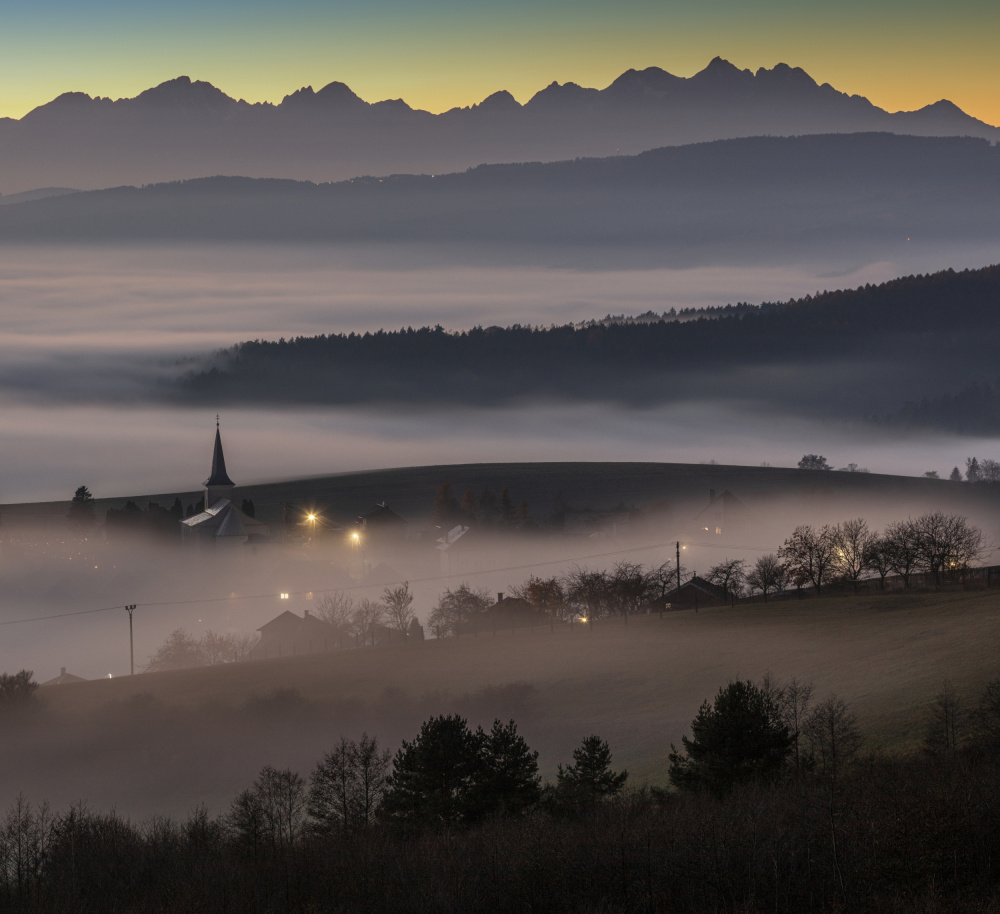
(571, 414)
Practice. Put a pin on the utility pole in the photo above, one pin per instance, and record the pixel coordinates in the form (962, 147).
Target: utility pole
(131, 649)
(678, 570)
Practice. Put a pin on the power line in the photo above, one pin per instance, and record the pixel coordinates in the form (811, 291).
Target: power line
(425, 580)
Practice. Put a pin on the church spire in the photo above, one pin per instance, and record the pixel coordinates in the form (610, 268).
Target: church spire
(219, 480)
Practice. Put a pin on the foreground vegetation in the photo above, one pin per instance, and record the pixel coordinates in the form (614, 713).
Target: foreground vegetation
(462, 824)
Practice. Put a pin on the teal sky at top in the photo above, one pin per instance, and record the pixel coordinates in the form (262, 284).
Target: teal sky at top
(441, 53)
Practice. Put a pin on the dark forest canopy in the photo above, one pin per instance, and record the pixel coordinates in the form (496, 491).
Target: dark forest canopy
(910, 337)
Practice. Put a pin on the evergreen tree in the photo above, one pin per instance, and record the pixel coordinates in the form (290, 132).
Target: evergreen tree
(81, 509)
(590, 778)
(507, 780)
(432, 777)
(739, 738)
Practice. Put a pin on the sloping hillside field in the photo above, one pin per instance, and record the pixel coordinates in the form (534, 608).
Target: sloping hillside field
(166, 742)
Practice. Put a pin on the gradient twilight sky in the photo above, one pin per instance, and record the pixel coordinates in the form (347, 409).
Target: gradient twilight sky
(436, 54)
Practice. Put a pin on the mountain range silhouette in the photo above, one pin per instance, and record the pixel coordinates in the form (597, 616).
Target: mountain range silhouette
(186, 128)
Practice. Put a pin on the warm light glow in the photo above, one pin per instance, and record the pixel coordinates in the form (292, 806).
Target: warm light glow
(284, 596)
(355, 537)
(312, 517)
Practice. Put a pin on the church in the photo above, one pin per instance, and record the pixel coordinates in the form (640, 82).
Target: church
(222, 524)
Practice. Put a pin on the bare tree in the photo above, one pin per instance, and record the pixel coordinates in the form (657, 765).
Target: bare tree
(455, 608)
(808, 556)
(767, 575)
(852, 541)
(902, 543)
(229, 647)
(793, 700)
(989, 470)
(833, 737)
(589, 593)
(629, 588)
(880, 558)
(336, 608)
(367, 614)
(180, 651)
(398, 602)
(730, 575)
(664, 579)
(544, 594)
(947, 544)
(945, 725)
(272, 811)
(346, 787)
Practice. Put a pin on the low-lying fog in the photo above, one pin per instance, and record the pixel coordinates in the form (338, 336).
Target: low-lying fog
(85, 334)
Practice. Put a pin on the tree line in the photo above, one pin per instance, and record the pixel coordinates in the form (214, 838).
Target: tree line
(602, 359)
(945, 546)
(775, 807)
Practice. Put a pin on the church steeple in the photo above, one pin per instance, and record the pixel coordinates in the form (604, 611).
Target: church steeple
(218, 484)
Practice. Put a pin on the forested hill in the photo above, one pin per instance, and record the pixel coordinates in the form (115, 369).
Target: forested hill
(737, 199)
(860, 350)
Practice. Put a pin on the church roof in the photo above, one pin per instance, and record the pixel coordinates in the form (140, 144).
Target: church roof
(223, 518)
(219, 476)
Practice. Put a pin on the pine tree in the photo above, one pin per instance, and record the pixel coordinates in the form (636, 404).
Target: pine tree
(590, 778)
(738, 738)
(81, 510)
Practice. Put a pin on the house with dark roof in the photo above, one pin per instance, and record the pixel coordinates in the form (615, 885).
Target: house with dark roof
(222, 524)
(289, 635)
(506, 614)
(696, 592)
(382, 523)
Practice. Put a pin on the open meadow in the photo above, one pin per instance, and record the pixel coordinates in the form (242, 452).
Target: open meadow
(165, 742)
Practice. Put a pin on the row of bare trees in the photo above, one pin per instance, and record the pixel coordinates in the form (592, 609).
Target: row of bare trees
(625, 589)
(361, 617)
(182, 651)
(945, 546)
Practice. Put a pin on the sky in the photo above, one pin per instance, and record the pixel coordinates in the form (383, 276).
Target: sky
(438, 54)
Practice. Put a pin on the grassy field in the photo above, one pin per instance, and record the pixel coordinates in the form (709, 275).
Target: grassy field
(170, 740)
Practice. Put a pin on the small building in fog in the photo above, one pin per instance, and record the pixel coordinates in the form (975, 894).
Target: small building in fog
(63, 678)
(289, 635)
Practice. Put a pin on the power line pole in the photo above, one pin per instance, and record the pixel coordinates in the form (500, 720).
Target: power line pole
(678, 570)
(131, 649)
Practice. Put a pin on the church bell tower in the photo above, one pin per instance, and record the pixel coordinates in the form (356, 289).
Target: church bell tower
(218, 485)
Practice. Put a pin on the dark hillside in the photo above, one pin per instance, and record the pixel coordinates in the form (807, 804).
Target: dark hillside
(856, 351)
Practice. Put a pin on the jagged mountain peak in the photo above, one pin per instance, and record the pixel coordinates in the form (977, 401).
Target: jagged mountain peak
(183, 92)
(332, 95)
(637, 85)
(781, 74)
(499, 101)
